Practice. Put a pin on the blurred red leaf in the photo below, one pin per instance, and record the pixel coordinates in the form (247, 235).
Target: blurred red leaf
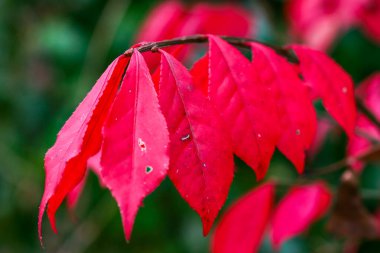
(164, 22)
(301, 206)
(216, 19)
(369, 18)
(170, 19)
(242, 227)
(319, 22)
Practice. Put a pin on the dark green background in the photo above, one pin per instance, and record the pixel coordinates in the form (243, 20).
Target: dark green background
(51, 53)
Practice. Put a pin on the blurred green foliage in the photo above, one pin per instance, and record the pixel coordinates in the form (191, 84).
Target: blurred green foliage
(51, 52)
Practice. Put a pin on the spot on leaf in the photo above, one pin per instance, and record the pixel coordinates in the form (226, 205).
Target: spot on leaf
(142, 145)
(148, 169)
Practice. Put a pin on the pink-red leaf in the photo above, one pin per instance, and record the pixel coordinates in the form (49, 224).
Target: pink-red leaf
(243, 225)
(297, 117)
(298, 210)
(331, 83)
(134, 157)
(201, 161)
(79, 139)
(369, 93)
(244, 104)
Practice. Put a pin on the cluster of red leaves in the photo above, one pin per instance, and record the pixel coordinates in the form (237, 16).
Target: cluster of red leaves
(319, 22)
(243, 226)
(189, 124)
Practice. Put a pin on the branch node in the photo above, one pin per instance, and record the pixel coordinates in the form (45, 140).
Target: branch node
(154, 49)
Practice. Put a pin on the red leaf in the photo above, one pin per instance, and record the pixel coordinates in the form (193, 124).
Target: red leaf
(297, 117)
(245, 107)
(242, 227)
(134, 159)
(331, 83)
(79, 139)
(369, 92)
(297, 210)
(201, 161)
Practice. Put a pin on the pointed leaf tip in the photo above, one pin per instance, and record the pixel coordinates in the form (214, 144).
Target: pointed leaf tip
(135, 138)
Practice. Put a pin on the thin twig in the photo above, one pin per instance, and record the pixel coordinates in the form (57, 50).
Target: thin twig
(371, 155)
(201, 38)
(367, 136)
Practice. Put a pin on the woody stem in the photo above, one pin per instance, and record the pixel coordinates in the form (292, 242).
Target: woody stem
(201, 38)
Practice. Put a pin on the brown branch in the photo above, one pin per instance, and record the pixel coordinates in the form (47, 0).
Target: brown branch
(201, 38)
